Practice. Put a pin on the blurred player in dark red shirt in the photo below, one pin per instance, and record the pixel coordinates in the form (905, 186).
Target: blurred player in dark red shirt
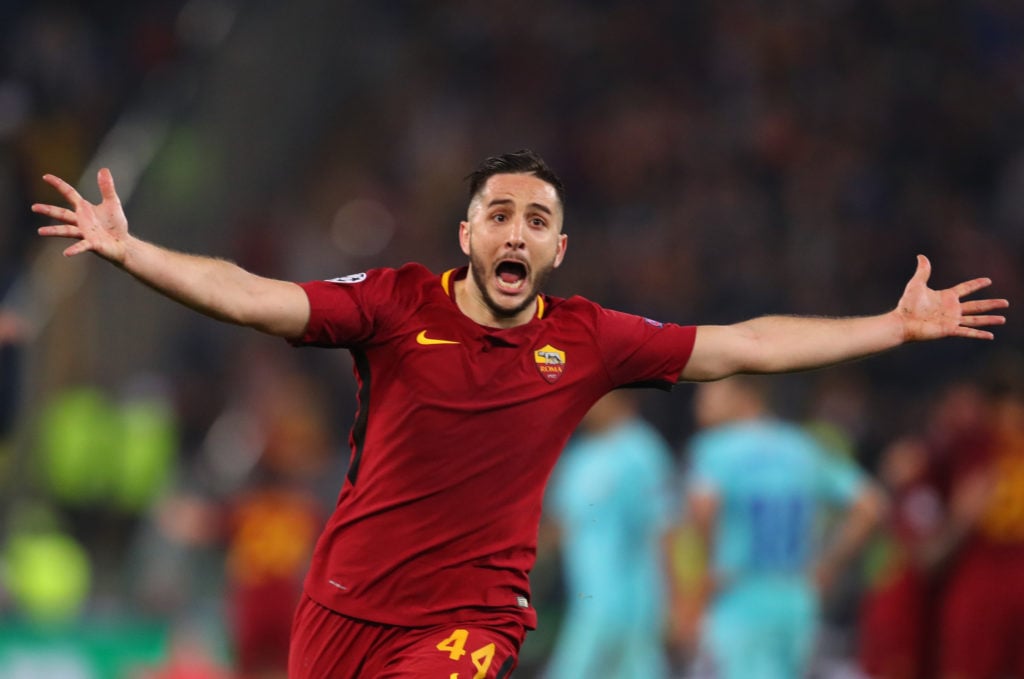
(272, 525)
(981, 620)
(894, 615)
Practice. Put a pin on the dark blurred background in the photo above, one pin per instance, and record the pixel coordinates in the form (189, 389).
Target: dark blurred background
(722, 160)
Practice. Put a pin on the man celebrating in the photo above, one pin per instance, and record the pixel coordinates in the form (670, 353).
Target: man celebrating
(470, 383)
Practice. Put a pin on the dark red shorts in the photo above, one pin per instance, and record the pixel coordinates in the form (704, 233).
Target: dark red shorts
(982, 632)
(892, 627)
(328, 645)
(261, 625)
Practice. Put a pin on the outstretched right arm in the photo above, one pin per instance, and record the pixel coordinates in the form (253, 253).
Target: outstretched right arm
(214, 287)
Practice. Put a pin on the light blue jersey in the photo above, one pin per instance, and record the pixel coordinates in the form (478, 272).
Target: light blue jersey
(611, 494)
(772, 481)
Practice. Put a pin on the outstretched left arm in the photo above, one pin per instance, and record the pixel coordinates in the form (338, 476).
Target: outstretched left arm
(773, 344)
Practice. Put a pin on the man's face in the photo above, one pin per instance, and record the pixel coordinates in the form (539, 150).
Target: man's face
(513, 237)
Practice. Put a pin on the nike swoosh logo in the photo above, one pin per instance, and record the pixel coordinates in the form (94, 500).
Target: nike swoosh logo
(423, 339)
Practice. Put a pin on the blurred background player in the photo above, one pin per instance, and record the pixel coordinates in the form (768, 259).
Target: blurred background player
(979, 556)
(610, 496)
(264, 513)
(893, 622)
(928, 520)
(757, 489)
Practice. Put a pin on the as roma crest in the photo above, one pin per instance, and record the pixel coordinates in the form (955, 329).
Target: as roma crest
(550, 362)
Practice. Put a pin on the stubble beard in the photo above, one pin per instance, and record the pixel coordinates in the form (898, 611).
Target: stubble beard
(480, 272)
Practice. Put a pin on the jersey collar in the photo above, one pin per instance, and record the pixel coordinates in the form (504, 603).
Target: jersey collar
(449, 277)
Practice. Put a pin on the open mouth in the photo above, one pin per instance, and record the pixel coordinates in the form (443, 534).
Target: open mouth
(511, 275)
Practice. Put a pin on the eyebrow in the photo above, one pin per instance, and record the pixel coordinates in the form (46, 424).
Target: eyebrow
(509, 201)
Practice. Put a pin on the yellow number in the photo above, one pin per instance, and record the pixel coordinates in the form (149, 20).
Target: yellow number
(482, 658)
(455, 644)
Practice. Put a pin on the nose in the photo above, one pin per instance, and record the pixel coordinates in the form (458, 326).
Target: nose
(517, 226)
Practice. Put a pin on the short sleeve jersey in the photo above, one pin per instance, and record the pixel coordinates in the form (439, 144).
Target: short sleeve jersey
(772, 481)
(458, 428)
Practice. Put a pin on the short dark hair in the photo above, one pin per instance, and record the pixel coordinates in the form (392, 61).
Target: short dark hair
(523, 161)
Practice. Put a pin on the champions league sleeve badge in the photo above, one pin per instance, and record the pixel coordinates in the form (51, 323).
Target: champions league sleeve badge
(351, 278)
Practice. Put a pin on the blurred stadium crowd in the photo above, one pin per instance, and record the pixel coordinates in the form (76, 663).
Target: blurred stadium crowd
(163, 475)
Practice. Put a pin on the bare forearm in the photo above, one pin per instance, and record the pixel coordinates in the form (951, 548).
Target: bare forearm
(218, 288)
(776, 344)
(970, 499)
(864, 516)
(788, 343)
(936, 551)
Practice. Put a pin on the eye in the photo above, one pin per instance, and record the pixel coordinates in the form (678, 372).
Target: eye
(499, 217)
(538, 222)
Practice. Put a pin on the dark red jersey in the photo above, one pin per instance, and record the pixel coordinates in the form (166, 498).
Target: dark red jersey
(459, 426)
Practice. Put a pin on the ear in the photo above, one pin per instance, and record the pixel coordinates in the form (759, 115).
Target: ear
(464, 238)
(563, 243)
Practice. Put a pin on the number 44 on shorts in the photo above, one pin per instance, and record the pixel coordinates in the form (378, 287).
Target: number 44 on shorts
(455, 645)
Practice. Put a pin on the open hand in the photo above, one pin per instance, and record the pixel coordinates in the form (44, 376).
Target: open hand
(102, 228)
(930, 314)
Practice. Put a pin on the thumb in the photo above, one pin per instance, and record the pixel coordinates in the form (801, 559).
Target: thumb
(924, 270)
(106, 183)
